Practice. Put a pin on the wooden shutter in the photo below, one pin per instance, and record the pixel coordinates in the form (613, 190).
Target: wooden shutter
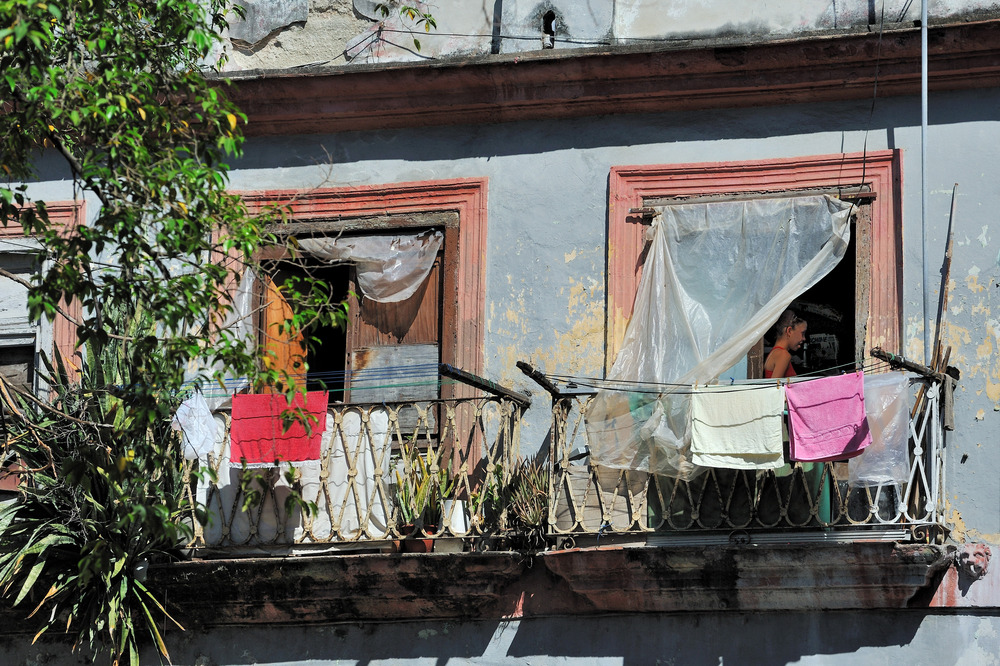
(395, 335)
(282, 352)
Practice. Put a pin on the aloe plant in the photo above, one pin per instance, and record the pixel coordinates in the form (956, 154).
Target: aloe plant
(421, 487)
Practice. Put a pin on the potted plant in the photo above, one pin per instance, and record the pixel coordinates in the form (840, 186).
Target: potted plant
(527, 501)
(421, 487)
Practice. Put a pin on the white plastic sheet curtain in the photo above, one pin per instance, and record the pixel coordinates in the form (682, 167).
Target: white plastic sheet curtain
(241, 325)
(390, 268)
(715, 279)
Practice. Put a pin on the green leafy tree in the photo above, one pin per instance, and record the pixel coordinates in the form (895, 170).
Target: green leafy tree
(116, 91)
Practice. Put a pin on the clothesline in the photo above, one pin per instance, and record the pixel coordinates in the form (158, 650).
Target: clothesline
(681, 389)
(442, 382)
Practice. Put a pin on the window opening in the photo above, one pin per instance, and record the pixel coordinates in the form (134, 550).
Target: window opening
(327, 344)
(830, 310)
(17, 334)
(385, 351)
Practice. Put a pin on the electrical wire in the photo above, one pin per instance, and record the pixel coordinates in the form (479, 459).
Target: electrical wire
(871, 110)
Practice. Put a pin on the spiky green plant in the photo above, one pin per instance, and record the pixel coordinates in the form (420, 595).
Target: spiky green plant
(102, 499)
(422, 486)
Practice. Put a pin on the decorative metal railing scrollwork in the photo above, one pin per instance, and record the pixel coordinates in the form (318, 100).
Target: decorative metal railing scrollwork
(800, 498)
(352, 495)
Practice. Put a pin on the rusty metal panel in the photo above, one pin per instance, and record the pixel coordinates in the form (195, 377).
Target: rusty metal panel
(397, 373)
(394, 373)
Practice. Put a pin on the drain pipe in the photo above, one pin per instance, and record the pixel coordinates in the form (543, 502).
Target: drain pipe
(923, 177)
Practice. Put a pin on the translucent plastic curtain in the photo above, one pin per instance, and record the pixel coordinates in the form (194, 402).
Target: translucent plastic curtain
(241, 325)
(716, 277)
(390, 268)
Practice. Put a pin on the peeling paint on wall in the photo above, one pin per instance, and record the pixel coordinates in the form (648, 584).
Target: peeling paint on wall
(972, 281)
(580, 349)
(567, 333)
(262, 17)
(318, 37)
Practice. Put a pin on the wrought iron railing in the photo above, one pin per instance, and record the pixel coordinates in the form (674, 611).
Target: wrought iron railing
(363, 490)
(797, 501)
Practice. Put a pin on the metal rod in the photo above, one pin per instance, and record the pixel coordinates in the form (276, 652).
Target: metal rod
(540, 378)
(484, 384)
(945, 278)
(923, 178)
(898, 361)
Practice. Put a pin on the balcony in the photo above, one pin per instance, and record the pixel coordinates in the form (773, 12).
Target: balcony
(447, 475)
(799, 502)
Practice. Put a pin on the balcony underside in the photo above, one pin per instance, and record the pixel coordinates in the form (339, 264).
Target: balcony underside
(357, 588)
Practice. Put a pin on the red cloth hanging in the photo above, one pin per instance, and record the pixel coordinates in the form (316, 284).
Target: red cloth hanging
(258, 436)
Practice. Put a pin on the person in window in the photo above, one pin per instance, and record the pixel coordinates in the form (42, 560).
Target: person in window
(790, 333)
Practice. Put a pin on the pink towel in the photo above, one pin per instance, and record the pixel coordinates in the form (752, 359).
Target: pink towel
(258, 435)
(826, 418)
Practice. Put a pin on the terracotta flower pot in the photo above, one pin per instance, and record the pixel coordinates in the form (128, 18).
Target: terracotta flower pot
(413, 541)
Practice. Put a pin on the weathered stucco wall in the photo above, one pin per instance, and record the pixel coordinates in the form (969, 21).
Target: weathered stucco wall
(547, 229)
(638, 19)
(294, 33)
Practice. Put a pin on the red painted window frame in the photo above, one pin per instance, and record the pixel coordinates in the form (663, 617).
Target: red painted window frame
(466, 196)
(65, 215)
(881, 170)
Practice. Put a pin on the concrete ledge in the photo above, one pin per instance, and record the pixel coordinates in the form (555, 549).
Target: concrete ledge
(678, 76)
(354, 588)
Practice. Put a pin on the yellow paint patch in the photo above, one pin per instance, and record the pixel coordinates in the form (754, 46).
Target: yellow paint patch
(972, 283)
(985, 350)
(955, 521)
(577, 292)
(954, 336)
(570, 256)
(961, 533)
(976, 535)
(980, 415)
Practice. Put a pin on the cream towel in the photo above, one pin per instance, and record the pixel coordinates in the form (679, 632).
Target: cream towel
(737, 427)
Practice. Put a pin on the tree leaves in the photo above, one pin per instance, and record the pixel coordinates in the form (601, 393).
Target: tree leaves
(116, 91)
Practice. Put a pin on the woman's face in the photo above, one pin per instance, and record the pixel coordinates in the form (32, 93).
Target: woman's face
(796, 335)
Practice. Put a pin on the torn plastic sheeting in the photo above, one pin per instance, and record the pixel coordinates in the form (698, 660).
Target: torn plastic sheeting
(197, 426)
(887, 404)
(390, 268)
(716, 278)
(240, 326)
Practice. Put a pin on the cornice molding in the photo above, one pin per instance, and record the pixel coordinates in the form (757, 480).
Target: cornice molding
(679, 76)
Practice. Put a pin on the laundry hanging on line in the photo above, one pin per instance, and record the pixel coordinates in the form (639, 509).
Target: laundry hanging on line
(737, 428)
(258, 434)
(827, 418)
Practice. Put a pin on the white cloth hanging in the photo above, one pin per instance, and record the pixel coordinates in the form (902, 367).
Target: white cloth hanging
(737, 427)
